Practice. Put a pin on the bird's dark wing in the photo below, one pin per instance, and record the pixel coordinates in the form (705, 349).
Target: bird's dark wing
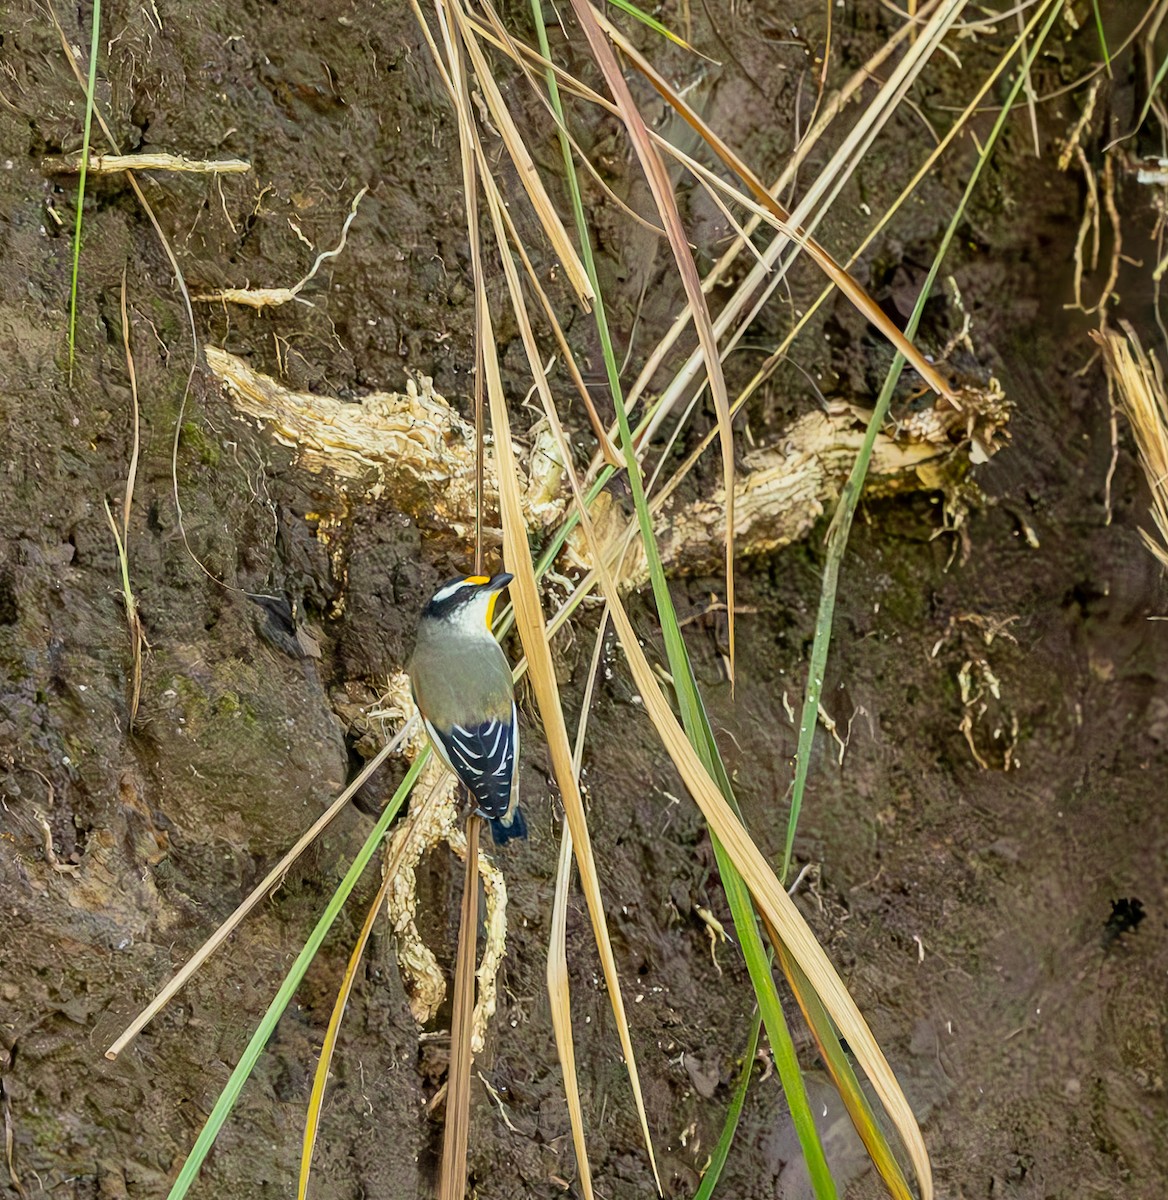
(483, 757)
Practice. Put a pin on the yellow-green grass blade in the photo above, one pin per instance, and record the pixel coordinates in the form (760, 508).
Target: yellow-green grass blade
(758, 961)
(783, 920)
(843, 1076)
(267, 1026)
(652, 23)
(90, 87)
(320, 1080)
(841, 522)
(693, 714)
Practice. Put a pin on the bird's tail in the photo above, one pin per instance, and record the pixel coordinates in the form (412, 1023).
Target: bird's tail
(510, 826)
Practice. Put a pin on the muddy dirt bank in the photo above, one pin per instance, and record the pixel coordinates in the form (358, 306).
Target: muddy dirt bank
(972, 909)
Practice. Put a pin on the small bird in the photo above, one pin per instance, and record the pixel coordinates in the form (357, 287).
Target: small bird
(462, 687)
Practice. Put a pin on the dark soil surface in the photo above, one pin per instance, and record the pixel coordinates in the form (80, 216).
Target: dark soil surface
(979, 914)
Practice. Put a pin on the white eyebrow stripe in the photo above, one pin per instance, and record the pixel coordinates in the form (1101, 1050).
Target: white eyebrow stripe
(449, 590)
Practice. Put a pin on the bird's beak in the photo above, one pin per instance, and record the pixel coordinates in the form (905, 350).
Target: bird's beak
(499, 582)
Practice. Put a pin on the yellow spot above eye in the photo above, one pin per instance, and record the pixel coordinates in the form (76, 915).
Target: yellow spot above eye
(477, 579)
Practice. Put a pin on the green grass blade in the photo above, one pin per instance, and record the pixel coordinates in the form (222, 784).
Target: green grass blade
(758, 963)
(841, 522)
(693, 713)
(651, 23)
(733, 1115)
(1102, 35)
(267, 1026)
(90, 88)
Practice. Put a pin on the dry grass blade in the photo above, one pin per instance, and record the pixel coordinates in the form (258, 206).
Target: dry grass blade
(560, 999)
(527, 58)
(1138, 377)
(783, 920)
(666, 202)
(841, 278)
(559, 992)
(529, 622)
(955, 130)
(524, 166)
(456, 1131)
(830, 110)
(607, 449)
(133, 620)
(132, 473)
(260, 892)
(747, 300)
(122, 537)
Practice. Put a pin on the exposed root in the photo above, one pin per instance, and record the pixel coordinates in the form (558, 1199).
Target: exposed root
(430, 825)
(1139, 379)
(410, 449)
(981, 697)
(784, 488)
(416, 452)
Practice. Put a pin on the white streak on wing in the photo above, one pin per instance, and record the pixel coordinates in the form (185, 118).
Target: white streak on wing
(465, 744)
(485, 770)
(436, 742)
(514, 758)
(506, 761)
